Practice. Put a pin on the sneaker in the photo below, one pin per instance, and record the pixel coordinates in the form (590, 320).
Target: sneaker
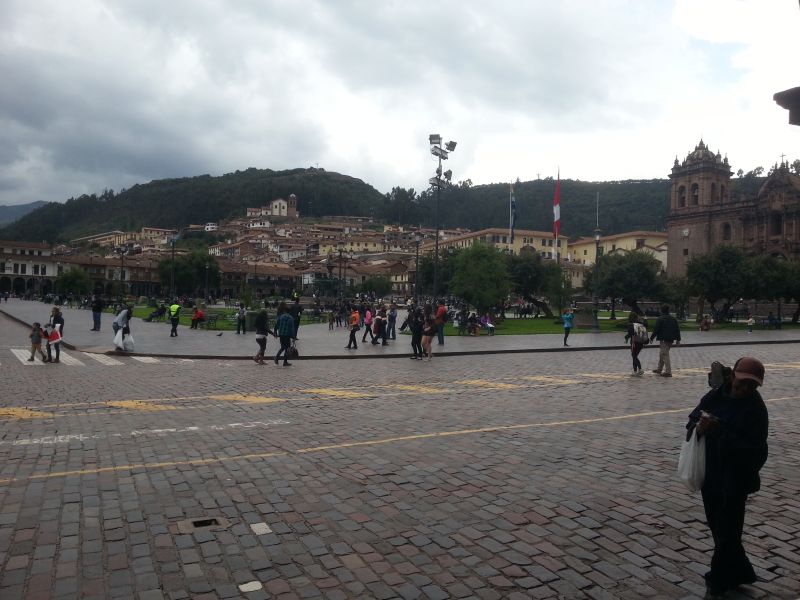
(276, 361)
(656, 371)
(30, 359)
(639, 373)
(413, 357)
(666, 374)
(287, 364)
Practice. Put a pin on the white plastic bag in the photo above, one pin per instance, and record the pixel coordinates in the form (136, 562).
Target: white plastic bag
(127, 343)
(692, 462)
(118, 339)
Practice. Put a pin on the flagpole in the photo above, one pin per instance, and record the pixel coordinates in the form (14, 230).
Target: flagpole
(510, 215)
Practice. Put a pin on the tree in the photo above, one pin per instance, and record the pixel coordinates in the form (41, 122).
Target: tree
(73, 281)
(632, 277)
(480, 276)
(381, 286)
(720, 275)
(190, 273)
(676, 291)
(795, 167)
(529, 278)
(558, 287)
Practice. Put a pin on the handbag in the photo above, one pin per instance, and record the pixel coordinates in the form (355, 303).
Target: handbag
(118, 339)
(692, 462)
(127, 343)
(292, 352)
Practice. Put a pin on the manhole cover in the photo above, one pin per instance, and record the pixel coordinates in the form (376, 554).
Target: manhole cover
(203, 524)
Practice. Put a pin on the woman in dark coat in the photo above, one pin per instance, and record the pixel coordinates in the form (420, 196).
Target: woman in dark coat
(733, 419)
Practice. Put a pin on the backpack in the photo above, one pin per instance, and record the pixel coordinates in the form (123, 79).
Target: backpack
(640, 334)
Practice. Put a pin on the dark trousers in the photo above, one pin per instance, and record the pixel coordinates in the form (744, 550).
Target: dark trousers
(440, 333)
(636, 347)
(174, 331)
(240, 325)
(729, 564)
(262, 346)
(390, 330)
(96, 320)
(57, 347)
(368, 330)
(566, 334)
(416, 343)
(352, 342)
(286, 342)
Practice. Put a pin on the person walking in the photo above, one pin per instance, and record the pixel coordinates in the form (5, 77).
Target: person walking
(440, 318)
(391, 330)
(667, 332)
(36, 336)
(97, 312)
(367, 325)
(174, 317)
(241, 318)
(566, 318)
(416, 322)
(637, 334)
(284, 328)
(734, 421)
(295, 311)
(262, 331)
(429, 330)
(355, 318)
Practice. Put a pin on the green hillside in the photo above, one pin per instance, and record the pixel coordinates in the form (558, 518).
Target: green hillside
(175, 203)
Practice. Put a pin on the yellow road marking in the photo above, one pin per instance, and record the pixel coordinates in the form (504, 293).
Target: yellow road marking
(247, 398)
(336, 393)
(550, 379)
(24, 413)
(422, 389)
(139, 405)
(493, 385)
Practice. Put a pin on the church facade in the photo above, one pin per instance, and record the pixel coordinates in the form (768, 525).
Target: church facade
(703, 213)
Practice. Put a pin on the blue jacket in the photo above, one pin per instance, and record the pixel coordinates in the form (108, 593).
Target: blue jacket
(285, 325)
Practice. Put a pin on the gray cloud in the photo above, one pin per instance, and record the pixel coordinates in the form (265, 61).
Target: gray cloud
(103, 94)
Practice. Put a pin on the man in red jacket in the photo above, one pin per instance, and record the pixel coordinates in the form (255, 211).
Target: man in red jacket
(440, 318)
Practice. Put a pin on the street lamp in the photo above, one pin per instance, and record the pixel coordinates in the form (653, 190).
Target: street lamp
(440, 153)
(595, 299)
(417, 240)
(207, 282)
(173, 239)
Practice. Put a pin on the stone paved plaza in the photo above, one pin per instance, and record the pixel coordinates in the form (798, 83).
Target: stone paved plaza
(541, 475)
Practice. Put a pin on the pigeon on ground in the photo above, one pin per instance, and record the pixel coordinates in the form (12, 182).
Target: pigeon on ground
(220, 333)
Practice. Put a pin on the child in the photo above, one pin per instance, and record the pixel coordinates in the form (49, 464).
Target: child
(750, 322)
(36, 342)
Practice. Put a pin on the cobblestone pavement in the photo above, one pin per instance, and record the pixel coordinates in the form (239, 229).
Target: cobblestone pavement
(521, 476)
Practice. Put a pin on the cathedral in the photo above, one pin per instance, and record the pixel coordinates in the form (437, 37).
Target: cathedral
(703, 214)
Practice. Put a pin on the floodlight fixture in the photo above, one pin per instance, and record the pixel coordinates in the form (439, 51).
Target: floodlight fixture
(438, 152)
(435, 139)
(451, 145)
(435, 181)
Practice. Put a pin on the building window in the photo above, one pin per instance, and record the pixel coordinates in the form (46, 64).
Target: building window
(23, 269)
(714, 192)
(613, 247)
(549, 242)
(686, 252)
(640, 243)
(585, 252)
(722, 193)
(727, 233)
(775, 224)
(16, 268)
(35, 269)
(544, 242)
(695, 194)
(682, 196)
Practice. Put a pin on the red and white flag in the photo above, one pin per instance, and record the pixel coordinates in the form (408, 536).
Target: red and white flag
(557, 208)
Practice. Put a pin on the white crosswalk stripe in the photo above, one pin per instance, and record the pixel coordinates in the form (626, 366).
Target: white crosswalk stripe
(103, 359)
(24, 355)
(146, 359)
(70, 360)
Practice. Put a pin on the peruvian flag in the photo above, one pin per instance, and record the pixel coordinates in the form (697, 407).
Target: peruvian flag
(557, 208)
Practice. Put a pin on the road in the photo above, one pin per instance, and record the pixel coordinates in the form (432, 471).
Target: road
(548, 475)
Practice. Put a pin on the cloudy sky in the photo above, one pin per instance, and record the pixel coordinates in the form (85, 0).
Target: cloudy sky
(104, 94)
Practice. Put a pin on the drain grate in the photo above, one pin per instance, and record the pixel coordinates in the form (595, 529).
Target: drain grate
(203, 524)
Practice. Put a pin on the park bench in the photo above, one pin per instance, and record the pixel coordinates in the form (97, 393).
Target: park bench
(211, 321)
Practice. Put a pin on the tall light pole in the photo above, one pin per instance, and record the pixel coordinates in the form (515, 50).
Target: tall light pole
(440, 153)
(172, 269)
(417, 240)
(595, 298)
(340, 248)
(206, 282)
